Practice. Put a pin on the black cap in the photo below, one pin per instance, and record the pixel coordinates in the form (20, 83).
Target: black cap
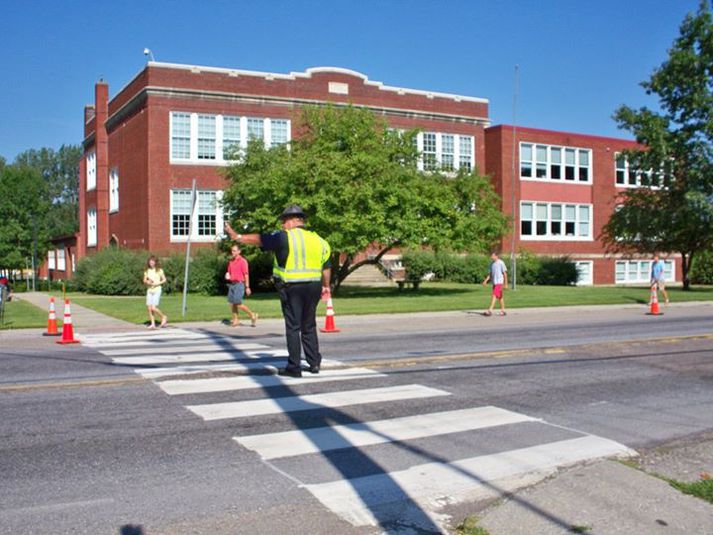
(293, 210)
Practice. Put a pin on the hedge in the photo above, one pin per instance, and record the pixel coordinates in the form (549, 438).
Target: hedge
(472, 269)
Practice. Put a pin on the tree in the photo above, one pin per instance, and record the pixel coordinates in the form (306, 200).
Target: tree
(677, 215)
(60, 169)
(359, 183)
(23, 215)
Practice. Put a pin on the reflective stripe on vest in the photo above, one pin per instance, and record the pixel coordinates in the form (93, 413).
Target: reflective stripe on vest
(307, 254)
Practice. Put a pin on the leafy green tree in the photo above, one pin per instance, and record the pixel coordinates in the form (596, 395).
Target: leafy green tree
(678, 216)
(359, 183)
(24, 203)
(60, 169)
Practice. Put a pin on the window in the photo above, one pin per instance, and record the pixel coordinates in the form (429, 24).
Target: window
(465, 154)
(637, 271)
(50, 260)
(448, 152)
(206, 137)
(549, 221)
(525, 160)
(585, 272)
(180, 212)
(180, 136)
(114, 190)
(628, 176)
(256, 129)
(61, 262)
(208, 215)
(429, 151)
(546, 162)
(91, 227)
(541, 161)
(231, 136)
(91, 170)
(279, 131)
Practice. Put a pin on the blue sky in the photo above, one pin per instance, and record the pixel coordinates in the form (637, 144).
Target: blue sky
(578, 59)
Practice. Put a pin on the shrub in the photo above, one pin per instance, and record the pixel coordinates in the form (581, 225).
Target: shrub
(528, 268)
(112, 271)
(557, 271)
(260, 270)
(418, 264)
(475, 268)
(207, 272)
(702, 268)
(174, 267)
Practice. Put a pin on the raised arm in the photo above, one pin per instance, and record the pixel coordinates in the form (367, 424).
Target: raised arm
(249, 239)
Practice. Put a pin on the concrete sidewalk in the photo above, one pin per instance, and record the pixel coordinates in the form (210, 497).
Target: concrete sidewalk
(609, 497)
(82, 317)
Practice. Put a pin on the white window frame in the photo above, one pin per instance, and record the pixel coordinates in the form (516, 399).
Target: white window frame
(458, 157)
(218, 139)
(92, 227)
(51, 260)
(636, 271)
(61, 261)
(196, 236)
(114, 190)
(547, 163)
(629, 171)
(91, 170)
(562, 236)
(589, 281)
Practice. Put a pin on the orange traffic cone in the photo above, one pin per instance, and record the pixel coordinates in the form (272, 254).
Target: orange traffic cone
(67, 330)
(329, 319)
(51, 321)
(654, 303)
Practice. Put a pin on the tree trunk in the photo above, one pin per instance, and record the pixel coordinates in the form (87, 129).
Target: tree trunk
(686, 260)
(341, 272)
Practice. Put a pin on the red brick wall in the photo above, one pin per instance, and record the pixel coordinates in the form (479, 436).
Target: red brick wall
(601, 193)
(129, 155)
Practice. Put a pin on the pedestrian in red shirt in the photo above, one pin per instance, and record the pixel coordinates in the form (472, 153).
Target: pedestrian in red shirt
(239, 279)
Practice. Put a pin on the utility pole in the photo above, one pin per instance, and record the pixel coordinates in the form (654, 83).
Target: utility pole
(513, 257)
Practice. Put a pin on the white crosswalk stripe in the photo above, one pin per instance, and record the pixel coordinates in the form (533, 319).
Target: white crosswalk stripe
(261, 407)
(223, 346)
(292, 443)
(223, 384)
(412, 494)
(362, 501)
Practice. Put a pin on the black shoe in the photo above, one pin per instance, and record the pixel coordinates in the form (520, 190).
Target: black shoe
(314, 369)
(286, 372)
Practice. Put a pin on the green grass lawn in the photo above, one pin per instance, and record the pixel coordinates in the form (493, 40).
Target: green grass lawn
(430, 297)
(23, 315)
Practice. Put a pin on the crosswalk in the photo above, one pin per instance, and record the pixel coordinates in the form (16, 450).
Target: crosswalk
(373, 448)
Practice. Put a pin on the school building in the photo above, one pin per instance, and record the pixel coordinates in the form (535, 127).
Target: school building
(174, 123)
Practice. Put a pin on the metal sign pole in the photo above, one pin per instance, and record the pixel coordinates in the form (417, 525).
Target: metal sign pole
(188, 248)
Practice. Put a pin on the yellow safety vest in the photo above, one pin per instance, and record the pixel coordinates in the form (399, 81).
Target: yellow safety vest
(307, 254)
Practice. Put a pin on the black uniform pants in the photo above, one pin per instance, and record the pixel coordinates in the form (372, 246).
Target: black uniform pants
(299, 307)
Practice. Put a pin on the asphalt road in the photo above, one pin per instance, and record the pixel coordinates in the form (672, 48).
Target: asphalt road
(88, 446)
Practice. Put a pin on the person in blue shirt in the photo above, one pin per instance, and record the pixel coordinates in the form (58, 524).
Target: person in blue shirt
(657, 276)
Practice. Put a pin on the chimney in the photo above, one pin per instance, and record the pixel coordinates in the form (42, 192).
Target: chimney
(101, 98)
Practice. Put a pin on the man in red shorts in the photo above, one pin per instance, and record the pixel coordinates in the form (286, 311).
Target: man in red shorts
(499, 277)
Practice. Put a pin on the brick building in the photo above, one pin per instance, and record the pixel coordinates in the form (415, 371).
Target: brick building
(564, 188)
(174, 123)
